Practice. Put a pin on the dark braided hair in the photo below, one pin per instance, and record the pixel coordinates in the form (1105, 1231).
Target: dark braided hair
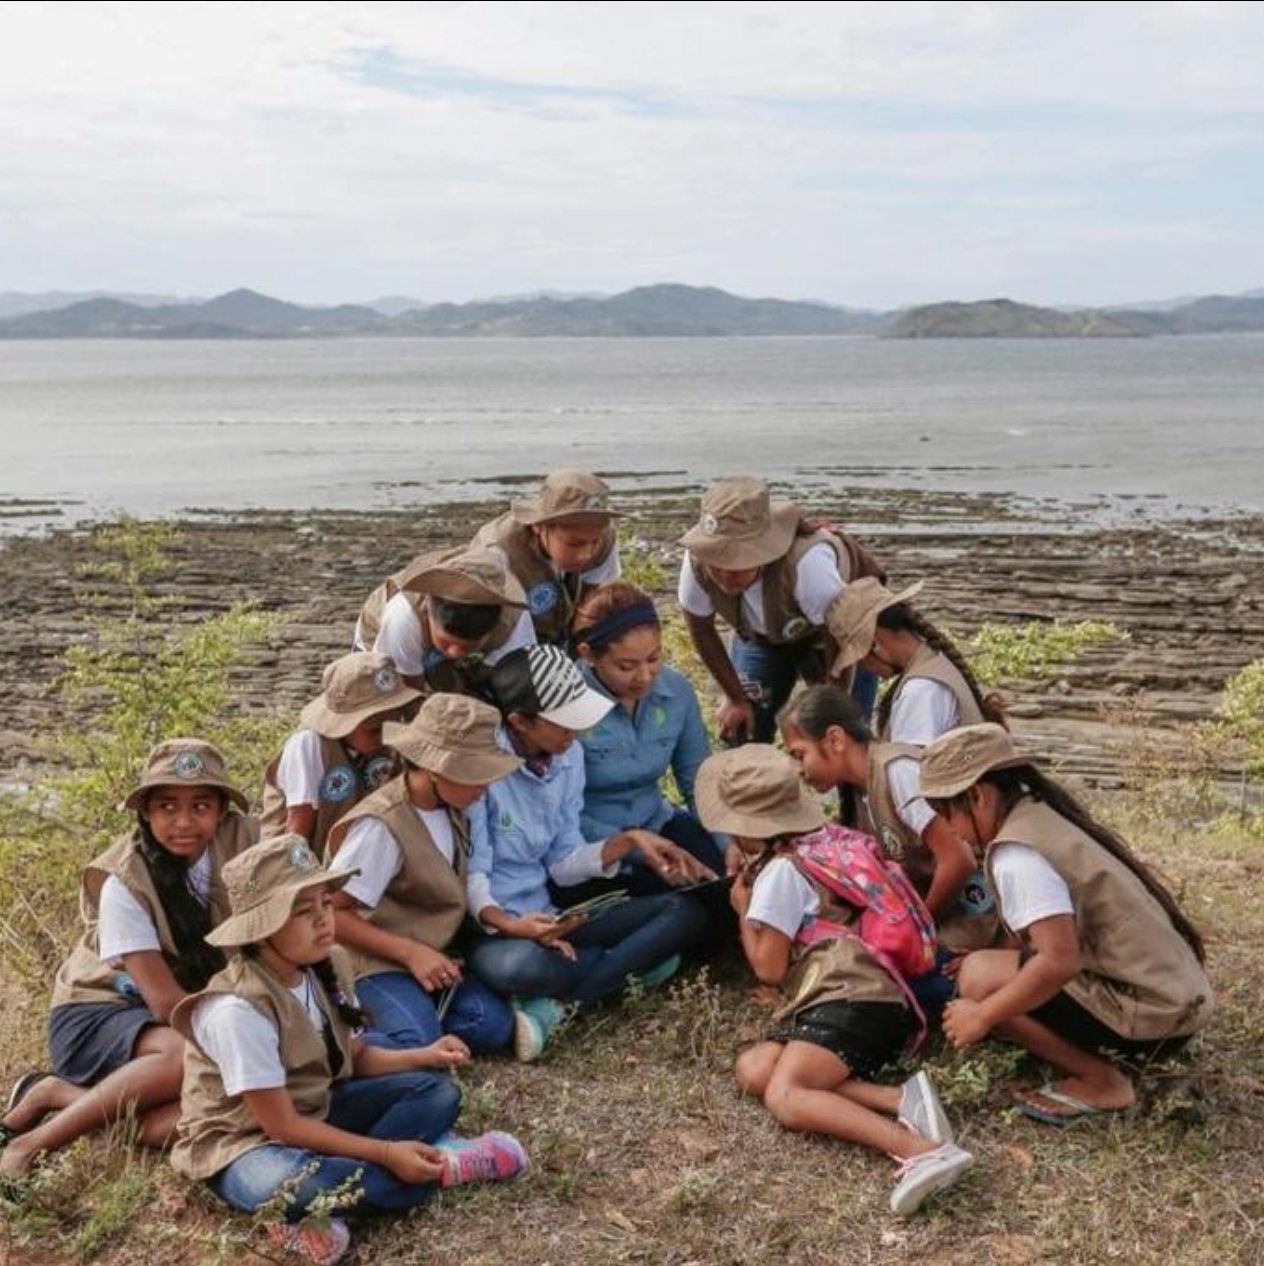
(194, 962)
(1019, 781)
(351, 1015)
(901, 618)
(813, 711)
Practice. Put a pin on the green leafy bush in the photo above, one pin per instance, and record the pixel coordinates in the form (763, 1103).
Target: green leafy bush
(1034, 651)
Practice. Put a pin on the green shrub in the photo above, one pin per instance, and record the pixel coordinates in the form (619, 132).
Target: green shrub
(1000, 653)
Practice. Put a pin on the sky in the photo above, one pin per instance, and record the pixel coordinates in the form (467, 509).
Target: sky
(873, 155)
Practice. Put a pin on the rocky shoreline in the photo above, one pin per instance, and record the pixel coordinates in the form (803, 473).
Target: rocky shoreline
(1189, 593)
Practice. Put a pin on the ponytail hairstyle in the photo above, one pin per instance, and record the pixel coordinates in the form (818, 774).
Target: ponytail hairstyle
(813, 712)
(1019, 781)
(610, 611)
(352, 1016)
(901, 618)
(194, 961)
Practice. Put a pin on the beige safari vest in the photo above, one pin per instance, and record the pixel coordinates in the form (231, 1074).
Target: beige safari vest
(1138, 975)
(83, 977)
(426, 899)
(551, 598)
(973, 924)
(938, 667)
(215, 1128)
(346, 781)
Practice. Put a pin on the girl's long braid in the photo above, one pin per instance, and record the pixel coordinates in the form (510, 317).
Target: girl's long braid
(351, 1015)
(194, 961)
(902, 618)
(1023, 780)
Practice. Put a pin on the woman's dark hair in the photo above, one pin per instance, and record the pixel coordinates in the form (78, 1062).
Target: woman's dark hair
(194, 961)
(609, 611)
(351, 1015)
(1026, 780)
(466, 620)
(901, 618)
(813, 712)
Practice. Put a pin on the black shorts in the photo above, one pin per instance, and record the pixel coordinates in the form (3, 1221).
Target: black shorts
(866, 1036)
(89, 1040)
(1079, 1026)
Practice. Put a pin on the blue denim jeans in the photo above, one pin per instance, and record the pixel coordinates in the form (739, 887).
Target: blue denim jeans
(625, 941)
(418, 1105)
(403, 1015)
(769, 674)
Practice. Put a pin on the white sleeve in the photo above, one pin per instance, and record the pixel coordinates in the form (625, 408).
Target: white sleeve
(580, 864)
(242, 1042)
(123, 924)
(904, 779)
(817, 582)
(400, 636)
(691, 595)
(782, 898)
(1028, 888)
(300, 769)
(522, 634)
(370, 846)
(610, 569)
(478, 892)
(924, 709)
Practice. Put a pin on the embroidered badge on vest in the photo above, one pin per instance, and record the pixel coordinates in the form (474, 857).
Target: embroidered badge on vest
(892, 844)
(794, 627)
(975, 897)
(188, 765)
(379, 771)
(543, 597)
(338, 783)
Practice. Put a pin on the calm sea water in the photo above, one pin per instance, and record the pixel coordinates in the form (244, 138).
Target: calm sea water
(158, 427)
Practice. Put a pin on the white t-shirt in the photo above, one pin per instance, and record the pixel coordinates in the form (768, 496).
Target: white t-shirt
(300, 769)
(816, 584)
(1028, 888)
(904, 778)
(923, 710)
(782, 898)
(400, 637)
(244, 1043)
(124, 925)
(371, 846)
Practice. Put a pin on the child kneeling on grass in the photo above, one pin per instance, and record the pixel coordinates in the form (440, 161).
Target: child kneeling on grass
(848, 1010)
(282, 1097)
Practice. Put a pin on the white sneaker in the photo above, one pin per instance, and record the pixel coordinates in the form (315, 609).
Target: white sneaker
(922, 1176)
(922, 1112)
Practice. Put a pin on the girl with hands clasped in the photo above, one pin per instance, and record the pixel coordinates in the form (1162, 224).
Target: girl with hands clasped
(832, 928)
(282, 1092)
(1107, 961)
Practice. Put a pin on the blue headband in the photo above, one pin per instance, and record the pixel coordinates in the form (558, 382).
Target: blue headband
(619, 621)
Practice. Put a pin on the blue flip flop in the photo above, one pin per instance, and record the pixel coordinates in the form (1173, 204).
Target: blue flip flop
(1079, 1110)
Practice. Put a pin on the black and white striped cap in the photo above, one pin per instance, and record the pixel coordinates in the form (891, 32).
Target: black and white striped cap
(542, 681)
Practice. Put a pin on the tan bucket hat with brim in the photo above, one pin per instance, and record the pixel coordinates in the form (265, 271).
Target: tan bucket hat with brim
(455, 736)
(476, 576)
(263, 884)
(356, 687)
(852, 618)
(741, 526)
(957, 760)
(567, 494)
(755, 791)
(183, 762)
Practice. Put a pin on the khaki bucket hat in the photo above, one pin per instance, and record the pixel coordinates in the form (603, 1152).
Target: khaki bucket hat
(957, 760)
(741, 526)
(263, 884)
(755, 790)
(183, 762)
(455, 736)
(476, 576)
(852, 618)
(567, 494)
(356, 687)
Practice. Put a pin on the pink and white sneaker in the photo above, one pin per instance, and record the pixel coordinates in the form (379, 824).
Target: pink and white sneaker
(491, 1157)
(323, 1243)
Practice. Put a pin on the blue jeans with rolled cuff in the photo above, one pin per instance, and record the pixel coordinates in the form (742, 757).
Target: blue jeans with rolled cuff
(403, 1015)
(417, 1105)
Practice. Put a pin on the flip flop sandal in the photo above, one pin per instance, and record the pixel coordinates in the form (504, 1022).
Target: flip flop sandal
(23, 1086)
(14, 1190)
(1079, 1110)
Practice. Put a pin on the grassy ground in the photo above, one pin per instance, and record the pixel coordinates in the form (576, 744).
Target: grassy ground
(643, 1151)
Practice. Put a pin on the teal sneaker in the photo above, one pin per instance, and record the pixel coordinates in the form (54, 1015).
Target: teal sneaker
(534, 1020)
(656, 975)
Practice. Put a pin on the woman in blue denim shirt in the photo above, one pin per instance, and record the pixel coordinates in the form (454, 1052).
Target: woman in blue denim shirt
(655, 729)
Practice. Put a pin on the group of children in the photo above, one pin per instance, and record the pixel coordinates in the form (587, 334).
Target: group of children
(467, 838)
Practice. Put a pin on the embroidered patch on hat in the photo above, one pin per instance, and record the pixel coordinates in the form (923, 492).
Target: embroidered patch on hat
(302, 857)
(189, 765)
(542, 597)
(386, 679)
(709, 523)
(337, 784)
(594, 501)
(379, 771)
(794, 627)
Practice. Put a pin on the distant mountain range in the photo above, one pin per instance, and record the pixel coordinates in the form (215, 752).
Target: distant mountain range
(661, 311)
